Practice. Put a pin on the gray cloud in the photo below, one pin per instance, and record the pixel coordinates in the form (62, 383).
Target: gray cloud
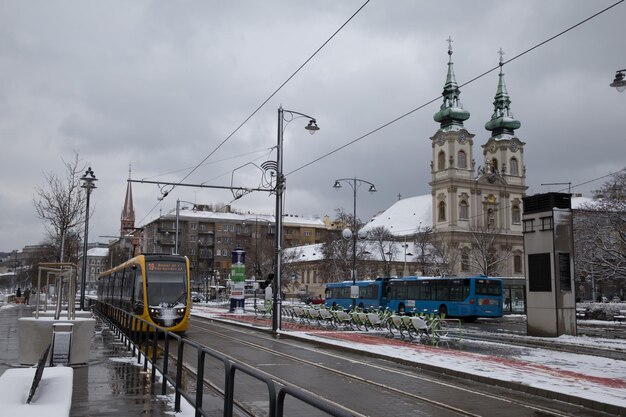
(161, 84)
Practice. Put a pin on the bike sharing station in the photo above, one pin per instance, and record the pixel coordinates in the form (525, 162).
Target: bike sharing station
(68, 332)
(549, 252)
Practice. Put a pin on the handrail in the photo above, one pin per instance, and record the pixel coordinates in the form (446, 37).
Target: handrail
(140, 336)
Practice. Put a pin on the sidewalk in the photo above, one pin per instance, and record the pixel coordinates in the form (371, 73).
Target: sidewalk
(112, 383)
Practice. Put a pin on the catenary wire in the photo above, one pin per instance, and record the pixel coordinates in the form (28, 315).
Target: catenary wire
(261, 105)
(273, 93)
(440, 96)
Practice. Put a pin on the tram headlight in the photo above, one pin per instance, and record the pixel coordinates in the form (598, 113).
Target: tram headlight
(156, 312)
(180, 311)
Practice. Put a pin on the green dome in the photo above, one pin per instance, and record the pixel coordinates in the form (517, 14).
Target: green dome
(502, 120)
(451, 112)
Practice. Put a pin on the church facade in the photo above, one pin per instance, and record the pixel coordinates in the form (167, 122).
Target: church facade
(476, 210)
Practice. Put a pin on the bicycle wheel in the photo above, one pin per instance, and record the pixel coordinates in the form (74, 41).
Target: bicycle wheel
(441, 328)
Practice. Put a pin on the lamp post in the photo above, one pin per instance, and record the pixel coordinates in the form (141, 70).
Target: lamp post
(619, 82)
(88, 184)
(354, 183)
(405, 271)
(177, 221)
(257, 266)
(280, 187)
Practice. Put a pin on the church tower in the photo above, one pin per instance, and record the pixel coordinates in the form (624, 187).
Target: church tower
(503, 175)
(452, 166)
(128, 212)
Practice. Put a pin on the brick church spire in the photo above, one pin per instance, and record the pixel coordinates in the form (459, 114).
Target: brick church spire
(128, 212)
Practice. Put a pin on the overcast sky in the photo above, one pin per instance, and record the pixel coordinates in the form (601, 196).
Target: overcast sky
(159, 84)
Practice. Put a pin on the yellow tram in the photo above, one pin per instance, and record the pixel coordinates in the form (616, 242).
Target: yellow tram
(154, 287)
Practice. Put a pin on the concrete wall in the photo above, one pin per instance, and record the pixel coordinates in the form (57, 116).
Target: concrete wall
(36, 334)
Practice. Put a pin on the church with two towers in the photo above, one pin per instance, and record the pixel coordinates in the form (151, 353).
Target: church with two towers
(475, 207)
(478, 209)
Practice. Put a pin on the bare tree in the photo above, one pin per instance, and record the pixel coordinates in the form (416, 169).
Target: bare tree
(423, 245)
(384, 243)
(61, 205)
(445, 254)
(338, 253)
(488, 255)
(600, 235)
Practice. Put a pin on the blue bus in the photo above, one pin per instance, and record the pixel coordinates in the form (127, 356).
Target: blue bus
(371, 294)
(466, 298)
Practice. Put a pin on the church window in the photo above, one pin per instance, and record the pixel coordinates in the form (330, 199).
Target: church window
(442, 212)
(441, 160)
(516, 215)
(517, 264)
(514, 167)
(465, 262)
(494, 165)
(462, 159)
(463, 210)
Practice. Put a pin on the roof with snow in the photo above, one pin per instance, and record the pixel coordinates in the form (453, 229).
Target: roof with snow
(98, 252)
(405, 217)
(248, 217)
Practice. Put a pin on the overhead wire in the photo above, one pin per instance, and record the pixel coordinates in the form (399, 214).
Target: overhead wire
(261, 105)
(212, 162)
(371, 132)
(508, 206)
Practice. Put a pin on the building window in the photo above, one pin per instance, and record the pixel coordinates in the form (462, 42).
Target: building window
(546, 223)
(442, 212)
(514, 167)
(494, 164)
(441, 160)
(517, 264)
(192, 237)
(516, 215)
(463, 210)
(462, 159)
(202, 227)
(307, 233)
(465, 264)
(193, 226)
(529, 226)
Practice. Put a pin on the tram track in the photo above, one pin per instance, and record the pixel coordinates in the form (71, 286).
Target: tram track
(595, 350)
(414, 378)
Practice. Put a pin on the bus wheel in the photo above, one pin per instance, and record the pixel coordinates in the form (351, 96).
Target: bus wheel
(443, 310)
(401, 309)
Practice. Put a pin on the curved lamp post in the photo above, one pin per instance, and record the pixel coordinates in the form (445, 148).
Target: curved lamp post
(280, 187)
(177, 221)
(619, 82)
(88, 184)
(354, 183)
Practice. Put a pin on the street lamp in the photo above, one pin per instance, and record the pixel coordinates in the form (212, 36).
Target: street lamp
(88, 184)
(347, 233)
(405, 271)
(619, 82)
(280, 187)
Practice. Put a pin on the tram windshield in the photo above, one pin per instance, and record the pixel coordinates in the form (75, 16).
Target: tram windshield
(166, 282)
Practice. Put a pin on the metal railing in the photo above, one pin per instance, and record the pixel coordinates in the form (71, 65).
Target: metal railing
(141, 337)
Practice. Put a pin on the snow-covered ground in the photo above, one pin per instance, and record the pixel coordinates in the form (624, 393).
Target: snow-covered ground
(584, 376)
(589, 377)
